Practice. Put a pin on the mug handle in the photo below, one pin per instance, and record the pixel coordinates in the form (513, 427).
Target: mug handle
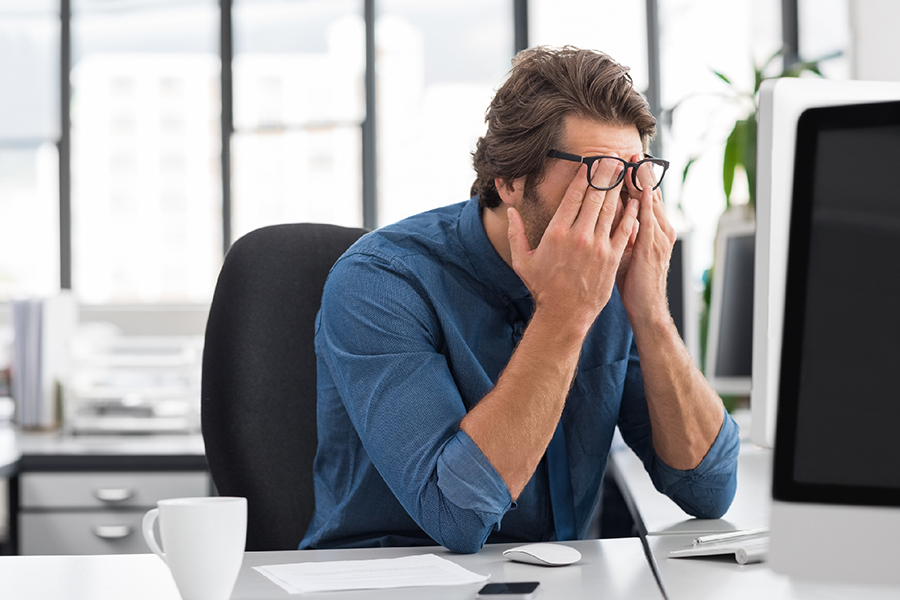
(149, 537)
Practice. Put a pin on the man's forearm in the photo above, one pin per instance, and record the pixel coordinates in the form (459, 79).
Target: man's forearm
(514, 423)
(685, 413)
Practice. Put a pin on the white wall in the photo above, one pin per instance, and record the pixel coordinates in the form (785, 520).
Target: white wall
(876, 51)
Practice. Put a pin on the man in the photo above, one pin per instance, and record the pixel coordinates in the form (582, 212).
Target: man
(474, 361)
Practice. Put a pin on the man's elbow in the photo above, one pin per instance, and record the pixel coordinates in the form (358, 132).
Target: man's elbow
(463, 533)
(716, 500)
(463, 546)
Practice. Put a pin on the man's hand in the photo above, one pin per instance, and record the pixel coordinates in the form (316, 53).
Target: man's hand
(642, 272)
(571, 273)
(570, 276)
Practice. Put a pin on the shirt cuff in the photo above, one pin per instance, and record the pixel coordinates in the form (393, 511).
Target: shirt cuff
(707, 490)
(468, 479)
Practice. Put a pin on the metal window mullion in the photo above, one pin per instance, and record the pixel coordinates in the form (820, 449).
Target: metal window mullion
(369, 164)
(790, 31)
(654, 80)
(65, 147)
(226, 50)
(520, 25)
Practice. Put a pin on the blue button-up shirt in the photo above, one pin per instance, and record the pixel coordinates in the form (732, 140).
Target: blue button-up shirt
(418, 320)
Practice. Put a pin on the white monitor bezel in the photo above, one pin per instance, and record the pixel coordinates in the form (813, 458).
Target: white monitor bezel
(781, 101)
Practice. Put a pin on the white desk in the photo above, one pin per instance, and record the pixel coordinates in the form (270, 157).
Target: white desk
(700, 578)
(711, 578)
(609, 569)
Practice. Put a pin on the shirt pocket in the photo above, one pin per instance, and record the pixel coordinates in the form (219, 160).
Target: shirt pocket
(593, 405)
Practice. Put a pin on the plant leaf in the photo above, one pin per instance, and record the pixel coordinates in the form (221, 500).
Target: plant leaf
(687, 167)
(769, 60)
(722, 77)
(729, 162)
(750, 156)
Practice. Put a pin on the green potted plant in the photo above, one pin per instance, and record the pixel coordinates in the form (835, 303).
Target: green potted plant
(739, 161)
(739, 156)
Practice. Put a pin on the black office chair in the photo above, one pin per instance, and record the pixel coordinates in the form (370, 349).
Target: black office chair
(258, 398)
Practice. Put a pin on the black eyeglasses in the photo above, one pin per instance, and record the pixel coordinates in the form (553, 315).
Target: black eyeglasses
(654, 168)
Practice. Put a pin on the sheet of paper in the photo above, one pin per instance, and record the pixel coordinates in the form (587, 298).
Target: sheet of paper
(381, 573)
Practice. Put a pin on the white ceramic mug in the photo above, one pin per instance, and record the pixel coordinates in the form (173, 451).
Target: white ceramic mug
(204, 541)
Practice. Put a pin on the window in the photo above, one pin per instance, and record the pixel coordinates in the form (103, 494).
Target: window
(147, 114)
(298, 108)
(616, 28)
(29, 161)
(438, 64)
(146, 220)
(696, 38)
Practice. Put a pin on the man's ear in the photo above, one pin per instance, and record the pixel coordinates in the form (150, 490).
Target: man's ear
(510, 190)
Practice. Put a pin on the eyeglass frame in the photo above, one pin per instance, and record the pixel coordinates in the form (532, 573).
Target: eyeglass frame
(590, 160)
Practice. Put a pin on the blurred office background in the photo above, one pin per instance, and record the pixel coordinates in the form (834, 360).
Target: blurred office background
(187, 123)
(140, 138)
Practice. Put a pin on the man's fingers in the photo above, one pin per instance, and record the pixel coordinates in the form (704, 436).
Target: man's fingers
(597, 214)
(518, 241)
(645, 175)
(608, 211)
(620, 210)
(627, 227)
(572, 200)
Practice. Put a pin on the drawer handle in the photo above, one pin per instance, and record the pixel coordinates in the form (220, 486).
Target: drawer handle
(112, 532)
(113, 494)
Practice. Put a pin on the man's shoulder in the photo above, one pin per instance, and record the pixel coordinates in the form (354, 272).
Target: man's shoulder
(430, 235)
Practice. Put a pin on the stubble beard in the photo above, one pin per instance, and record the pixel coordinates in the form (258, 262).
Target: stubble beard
(536, 213)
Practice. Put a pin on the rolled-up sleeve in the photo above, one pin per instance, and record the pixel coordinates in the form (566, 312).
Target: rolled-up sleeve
(380, 339)
(706, 491)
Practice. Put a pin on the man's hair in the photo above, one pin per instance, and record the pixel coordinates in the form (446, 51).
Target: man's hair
(525, 118)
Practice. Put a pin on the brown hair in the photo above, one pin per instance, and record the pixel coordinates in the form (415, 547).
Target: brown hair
(525, 117)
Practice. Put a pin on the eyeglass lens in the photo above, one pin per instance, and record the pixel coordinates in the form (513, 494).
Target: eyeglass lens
(602, 168)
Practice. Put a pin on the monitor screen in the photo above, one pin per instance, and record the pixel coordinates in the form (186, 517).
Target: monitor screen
(837, 439)
(682, 296)
(675, 286)
(730, 341)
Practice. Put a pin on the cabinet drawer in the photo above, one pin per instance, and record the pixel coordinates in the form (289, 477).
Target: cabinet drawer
(89, 532)
(104, 490)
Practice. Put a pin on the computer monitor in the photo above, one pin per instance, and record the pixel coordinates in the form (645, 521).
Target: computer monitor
(836, 485)
(781, 101)
(682, 294)
(730, 332)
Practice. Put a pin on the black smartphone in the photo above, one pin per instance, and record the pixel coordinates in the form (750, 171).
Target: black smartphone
(520, 590)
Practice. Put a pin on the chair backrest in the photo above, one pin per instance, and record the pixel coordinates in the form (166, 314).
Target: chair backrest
(258, 397)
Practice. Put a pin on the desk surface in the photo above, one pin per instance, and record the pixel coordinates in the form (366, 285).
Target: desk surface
(722, 577)
(701, 578)
(609, 569)
(30, 451)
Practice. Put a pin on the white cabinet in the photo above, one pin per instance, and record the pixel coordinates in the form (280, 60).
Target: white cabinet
(95, 512)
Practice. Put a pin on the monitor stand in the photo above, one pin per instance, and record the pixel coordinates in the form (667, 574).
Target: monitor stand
(835, 543)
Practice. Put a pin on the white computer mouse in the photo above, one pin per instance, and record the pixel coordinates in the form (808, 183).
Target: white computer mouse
(544, 554)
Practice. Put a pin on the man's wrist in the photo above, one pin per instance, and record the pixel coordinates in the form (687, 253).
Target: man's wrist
(567, 326)
(652, 323)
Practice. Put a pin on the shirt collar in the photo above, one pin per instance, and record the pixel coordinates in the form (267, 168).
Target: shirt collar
(491, 269)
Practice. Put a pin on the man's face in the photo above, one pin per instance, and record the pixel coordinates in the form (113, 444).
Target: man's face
(583, 137)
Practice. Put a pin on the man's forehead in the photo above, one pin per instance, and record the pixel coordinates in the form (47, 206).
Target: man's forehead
(581, 134)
